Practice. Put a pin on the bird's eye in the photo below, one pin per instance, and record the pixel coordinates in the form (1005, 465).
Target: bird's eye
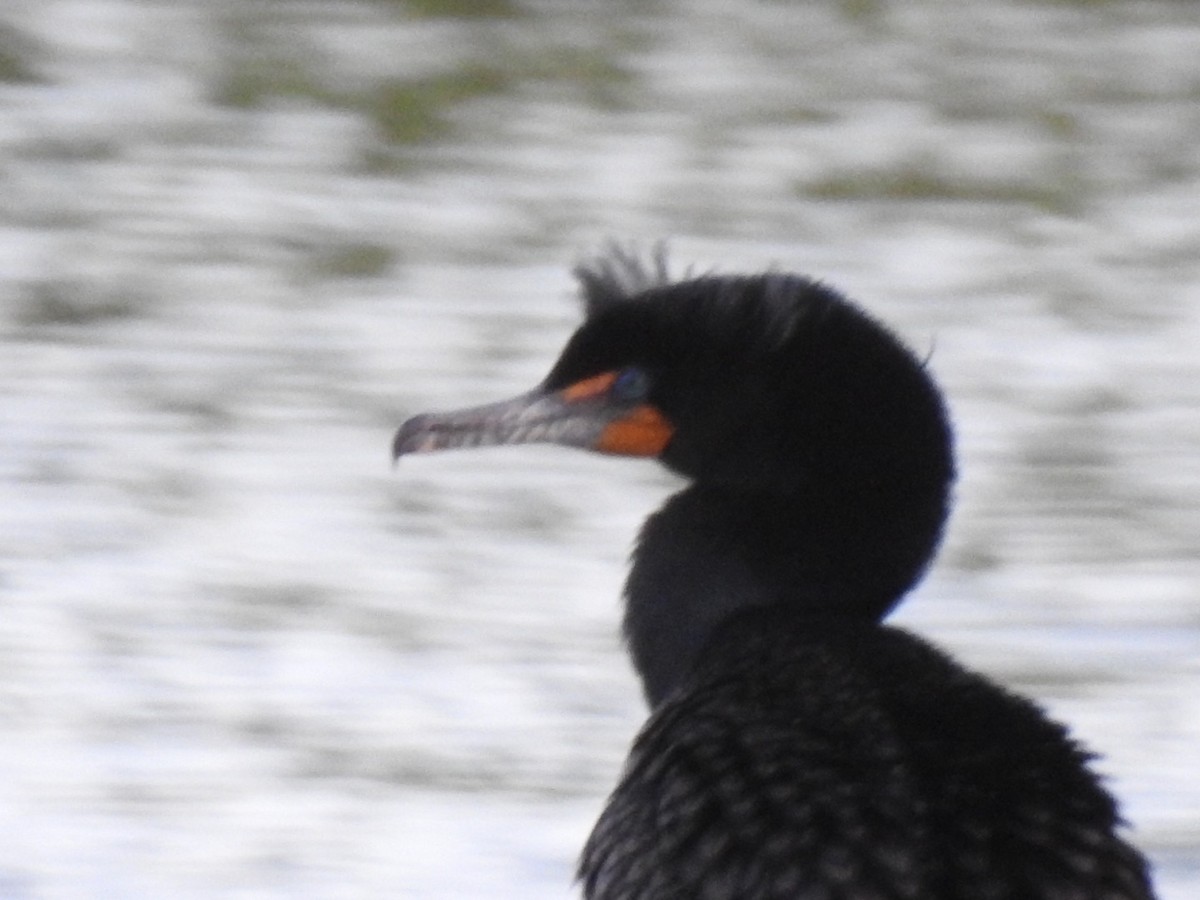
(631, 384)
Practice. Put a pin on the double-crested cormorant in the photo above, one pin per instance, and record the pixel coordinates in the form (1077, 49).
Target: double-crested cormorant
(798, 747)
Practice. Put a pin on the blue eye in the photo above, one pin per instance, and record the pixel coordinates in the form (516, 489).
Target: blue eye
(631, 384)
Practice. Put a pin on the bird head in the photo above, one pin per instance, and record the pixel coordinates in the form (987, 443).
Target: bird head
(766, 383)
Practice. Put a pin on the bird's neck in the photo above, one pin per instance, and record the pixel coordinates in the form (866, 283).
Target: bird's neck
(710, 555)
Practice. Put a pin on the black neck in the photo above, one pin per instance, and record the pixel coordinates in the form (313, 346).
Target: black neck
(711, 554)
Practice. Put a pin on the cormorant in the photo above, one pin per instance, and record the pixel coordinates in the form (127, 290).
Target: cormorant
(797, 747)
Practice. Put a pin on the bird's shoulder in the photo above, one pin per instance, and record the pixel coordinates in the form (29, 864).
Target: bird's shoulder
(856, 762)
(748, 782)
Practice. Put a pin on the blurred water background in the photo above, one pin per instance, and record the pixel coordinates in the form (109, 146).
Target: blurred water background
(240, 241)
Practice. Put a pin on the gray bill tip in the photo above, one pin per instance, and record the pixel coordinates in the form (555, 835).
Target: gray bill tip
(417, 435)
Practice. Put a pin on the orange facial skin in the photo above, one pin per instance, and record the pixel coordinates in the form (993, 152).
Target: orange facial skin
(643, 431)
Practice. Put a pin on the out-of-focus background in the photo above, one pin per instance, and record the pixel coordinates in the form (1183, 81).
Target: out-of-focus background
(240, 241)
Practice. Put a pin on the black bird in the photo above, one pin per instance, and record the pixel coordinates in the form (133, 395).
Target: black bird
(798, 747)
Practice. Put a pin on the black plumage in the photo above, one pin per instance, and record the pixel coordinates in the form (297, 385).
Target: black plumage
(798, 747)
